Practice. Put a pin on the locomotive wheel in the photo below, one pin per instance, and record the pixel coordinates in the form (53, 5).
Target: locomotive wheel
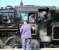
(35, 44)
(52, 46)
(13, 42)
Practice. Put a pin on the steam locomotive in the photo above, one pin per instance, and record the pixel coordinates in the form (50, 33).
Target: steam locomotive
(45, 28)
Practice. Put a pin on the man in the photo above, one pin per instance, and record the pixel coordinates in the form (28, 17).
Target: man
(25, 31)
(32, 18)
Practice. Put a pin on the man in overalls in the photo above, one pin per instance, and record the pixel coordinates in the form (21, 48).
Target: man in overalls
(25, 31)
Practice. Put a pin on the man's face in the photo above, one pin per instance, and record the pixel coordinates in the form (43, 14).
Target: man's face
(43, 13)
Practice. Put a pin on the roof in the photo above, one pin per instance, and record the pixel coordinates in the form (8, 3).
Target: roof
(32, 8)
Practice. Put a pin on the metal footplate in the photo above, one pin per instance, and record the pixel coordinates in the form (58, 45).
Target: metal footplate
(13, 29)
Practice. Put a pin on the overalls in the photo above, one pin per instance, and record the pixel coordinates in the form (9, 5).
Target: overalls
(26, 36)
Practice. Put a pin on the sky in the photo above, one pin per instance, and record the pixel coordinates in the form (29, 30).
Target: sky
(4, 3)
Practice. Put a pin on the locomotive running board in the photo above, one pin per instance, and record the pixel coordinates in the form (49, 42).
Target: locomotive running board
(8, 29)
